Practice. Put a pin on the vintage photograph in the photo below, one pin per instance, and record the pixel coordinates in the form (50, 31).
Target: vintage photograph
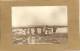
(39, 24)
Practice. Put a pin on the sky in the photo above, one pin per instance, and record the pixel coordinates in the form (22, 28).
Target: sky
(39, 15)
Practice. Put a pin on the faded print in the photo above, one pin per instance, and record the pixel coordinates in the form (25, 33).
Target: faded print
(39, 24)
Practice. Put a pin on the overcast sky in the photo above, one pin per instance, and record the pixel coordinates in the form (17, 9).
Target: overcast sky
(39, 15)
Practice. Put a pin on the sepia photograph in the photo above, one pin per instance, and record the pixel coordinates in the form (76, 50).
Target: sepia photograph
(39, 25)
